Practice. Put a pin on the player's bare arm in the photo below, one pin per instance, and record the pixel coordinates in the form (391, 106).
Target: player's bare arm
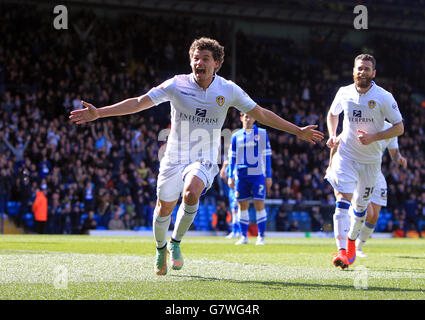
(269, 183)
(397, 157)
(367, 138)
(223, 174)
(231, 183)
(128, 106)
(272, 120)
(332, 123)
(333, 151)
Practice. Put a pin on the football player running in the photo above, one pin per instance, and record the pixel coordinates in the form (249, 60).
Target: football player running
(356, 164)
(199, 104)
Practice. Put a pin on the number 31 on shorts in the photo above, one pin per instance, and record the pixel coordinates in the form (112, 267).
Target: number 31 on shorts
(368, 192)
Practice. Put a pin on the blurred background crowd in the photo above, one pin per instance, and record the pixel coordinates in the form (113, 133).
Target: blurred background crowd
(106, 171)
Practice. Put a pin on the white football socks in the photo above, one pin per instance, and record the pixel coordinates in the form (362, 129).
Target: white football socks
(357, 221)
(341, 221)
(365, 234)
(160, 228)
(185, 216)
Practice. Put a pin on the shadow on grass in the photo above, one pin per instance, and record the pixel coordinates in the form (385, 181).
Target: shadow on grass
(278, 285)
(395, 270)
(410, 257)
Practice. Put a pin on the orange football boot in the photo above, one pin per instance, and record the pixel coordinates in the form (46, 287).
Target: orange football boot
(341, 259)
(351, 250)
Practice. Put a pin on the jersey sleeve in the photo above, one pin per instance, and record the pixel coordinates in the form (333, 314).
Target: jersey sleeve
(390, 110)
(336, 106)
(241, 100)
(393, 144)
(162, 93)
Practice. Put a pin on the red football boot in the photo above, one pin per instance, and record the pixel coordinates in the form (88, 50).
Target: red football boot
(351, 250)
(341, 259)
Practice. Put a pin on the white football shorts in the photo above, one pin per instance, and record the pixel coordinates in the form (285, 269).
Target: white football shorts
(379, 195)
(359, 179)
(171, 177)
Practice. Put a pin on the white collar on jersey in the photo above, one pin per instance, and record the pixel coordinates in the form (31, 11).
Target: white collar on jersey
(192, 79)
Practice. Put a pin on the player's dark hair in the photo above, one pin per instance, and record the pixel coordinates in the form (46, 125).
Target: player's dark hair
(212, 45)
(366, 57)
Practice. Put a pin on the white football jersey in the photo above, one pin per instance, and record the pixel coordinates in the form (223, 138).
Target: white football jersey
(388, 143)
(379, 195)
(197, 115)
(365, 112)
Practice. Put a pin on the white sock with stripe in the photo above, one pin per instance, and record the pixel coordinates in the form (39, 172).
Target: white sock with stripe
(357, 221)
(160, 228)
(365, 234)
(185, 216)
(341, 221)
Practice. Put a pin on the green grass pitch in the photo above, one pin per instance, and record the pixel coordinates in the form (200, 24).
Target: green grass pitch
(34, 267)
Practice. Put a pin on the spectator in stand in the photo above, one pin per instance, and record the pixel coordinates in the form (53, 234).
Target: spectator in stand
(25, 194)
(19, 149)
(116, 223)
(293, 226)
(5, 189)
(149, 211)
(76, 218)
(89, 223)
(39, 208)
(412, 215)
(220, 218)
(317, 221)
(281, 219)
(89, 197)
(129, 222)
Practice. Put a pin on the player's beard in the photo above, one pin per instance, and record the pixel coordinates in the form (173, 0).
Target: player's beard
(362, 82)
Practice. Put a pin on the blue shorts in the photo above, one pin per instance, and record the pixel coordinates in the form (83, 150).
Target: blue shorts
(250, 187)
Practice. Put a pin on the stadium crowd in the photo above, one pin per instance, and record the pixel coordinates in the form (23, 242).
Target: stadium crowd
(109, 168)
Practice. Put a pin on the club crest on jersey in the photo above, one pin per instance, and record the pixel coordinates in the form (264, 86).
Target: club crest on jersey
(220, 100)
(372, 104)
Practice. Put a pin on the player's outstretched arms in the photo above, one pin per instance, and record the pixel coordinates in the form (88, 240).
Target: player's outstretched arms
(311, 135)
(90, 113)
(128, 106)
(271, 119)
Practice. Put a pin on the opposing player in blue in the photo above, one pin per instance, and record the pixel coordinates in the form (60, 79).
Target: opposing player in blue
(233, 203)
(250, 174)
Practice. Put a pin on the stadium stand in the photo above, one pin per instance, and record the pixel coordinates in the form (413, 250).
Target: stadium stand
(44, 73)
